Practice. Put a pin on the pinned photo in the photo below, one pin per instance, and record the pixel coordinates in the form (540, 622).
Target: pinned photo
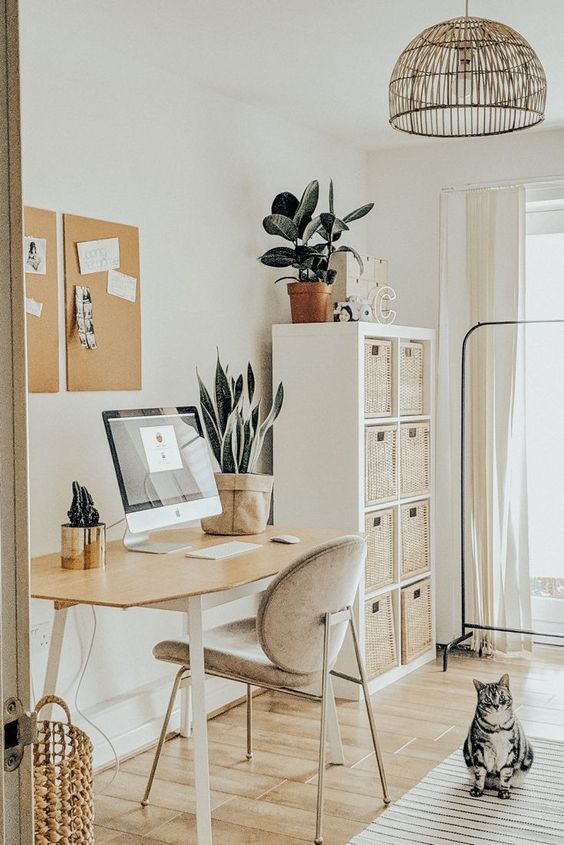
(35, 255)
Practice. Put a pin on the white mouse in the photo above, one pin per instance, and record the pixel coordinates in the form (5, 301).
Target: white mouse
(285, 538)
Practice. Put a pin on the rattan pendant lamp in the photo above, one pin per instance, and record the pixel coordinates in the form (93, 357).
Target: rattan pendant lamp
(467, 77)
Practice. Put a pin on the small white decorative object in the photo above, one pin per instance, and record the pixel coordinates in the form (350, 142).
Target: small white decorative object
(379, 299)
(354, 309)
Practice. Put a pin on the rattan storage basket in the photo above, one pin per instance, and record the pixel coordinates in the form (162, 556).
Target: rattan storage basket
(380, 473)
(379, 533)
(63, 798)
(411, 378)
(380, 651)
(415, 538)
(415, 458)
(416, 620)
(377, 378)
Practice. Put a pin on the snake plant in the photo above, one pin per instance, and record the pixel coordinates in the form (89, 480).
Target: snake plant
(234, 419)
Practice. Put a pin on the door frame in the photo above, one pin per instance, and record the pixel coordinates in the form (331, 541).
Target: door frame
(16, 797)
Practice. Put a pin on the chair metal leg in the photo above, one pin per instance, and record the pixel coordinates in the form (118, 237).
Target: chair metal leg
(162, 737)
(249, 722)
(325, 693)
(369, 711)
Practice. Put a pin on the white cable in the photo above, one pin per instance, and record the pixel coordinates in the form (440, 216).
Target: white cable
(79, 711)
(113, 525)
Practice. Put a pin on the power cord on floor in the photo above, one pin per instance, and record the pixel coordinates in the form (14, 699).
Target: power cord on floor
(77, 692)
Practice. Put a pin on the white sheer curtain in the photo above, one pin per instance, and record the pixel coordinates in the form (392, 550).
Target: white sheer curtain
(482, 279)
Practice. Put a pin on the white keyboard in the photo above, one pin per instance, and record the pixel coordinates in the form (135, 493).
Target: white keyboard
(223, 550)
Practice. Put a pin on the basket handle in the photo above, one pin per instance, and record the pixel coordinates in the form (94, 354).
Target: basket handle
(53, 699)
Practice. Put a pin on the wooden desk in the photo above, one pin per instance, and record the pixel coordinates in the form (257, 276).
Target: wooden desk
(172, 582)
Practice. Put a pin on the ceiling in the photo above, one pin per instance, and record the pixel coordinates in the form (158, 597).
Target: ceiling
(322, 63)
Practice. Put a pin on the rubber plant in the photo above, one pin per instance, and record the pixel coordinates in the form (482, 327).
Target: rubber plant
(294, 221)
(235, 421)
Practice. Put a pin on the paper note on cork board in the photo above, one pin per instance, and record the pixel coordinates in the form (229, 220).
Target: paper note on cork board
(115, 362)
(42, 299)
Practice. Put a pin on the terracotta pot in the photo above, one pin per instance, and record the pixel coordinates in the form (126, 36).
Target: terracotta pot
(309, 301)
(245, 500)
(83, 548)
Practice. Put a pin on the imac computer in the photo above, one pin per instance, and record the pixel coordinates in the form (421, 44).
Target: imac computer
(163, 470)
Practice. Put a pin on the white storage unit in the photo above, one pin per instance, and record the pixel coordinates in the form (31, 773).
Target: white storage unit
(346, 456)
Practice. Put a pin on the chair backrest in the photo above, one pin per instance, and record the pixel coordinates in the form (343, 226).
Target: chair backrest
(290, 616)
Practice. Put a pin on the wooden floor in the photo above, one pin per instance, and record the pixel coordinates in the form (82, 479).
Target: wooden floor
(270, 800)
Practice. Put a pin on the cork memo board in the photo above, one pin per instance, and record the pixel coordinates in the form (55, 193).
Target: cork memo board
(115, 363)
(42, 306)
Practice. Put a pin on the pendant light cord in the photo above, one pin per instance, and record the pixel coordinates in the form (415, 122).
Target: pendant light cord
(466, 8)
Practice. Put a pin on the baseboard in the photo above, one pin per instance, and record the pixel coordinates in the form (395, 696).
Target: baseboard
(134, 724)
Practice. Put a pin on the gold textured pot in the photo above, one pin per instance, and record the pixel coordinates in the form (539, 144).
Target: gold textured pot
(245, 499)
(83, 548)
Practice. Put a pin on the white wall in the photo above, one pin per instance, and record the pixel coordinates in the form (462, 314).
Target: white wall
(406, 185)
(117, 139)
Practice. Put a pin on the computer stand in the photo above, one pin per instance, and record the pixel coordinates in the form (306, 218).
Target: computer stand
(143, 543)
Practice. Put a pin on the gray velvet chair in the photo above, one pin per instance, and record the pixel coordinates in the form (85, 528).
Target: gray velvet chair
(291, 646)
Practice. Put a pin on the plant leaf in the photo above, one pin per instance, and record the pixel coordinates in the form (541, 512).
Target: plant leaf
(228, 463)
(223, 398)
(358, 212)
(307, 206)
(281, 279)
(327, 221)
(285, 203)
(213, 435)
(331, 198)
(250, 383)
(311, 228)
(279, 256)
(265, 426)
(277, 224)
(339, 226)
(237, 390)
(356, 255)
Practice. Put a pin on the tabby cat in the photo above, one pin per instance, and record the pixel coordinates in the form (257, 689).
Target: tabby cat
(496, 747)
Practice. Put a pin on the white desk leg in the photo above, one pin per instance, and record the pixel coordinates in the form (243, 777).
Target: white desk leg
(199, 722)
(336, 753)
(186, 697)
(54, 659)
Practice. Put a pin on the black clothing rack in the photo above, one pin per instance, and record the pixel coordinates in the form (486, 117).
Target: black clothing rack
(467, 628)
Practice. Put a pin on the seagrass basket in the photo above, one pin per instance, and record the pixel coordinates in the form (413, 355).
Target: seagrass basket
(415, 538)
(63, 794)
(416, 620)
(380, 463)
(380, 651)
(411, 378)
(415, 458)
(379, 533)
(377, 378)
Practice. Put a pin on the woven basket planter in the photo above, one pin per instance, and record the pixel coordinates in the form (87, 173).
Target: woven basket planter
(415, 458)
(63, 796)
(379, 533)
(380, 463)
(380, 653)
(245, 499)
(416, 620)
(377, 378)
(415, 539)
(411, 378)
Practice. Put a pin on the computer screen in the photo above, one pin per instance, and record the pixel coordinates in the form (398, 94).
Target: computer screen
(160, 457)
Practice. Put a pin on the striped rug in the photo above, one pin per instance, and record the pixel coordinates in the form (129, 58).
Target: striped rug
(440, 811)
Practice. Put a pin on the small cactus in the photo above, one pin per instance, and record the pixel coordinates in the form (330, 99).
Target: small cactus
(82, 513)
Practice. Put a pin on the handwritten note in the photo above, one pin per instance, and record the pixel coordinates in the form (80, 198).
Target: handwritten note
(33, 307)
(119, 284)
(97, 256)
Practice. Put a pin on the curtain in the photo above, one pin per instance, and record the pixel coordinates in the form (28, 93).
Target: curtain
(482, 279)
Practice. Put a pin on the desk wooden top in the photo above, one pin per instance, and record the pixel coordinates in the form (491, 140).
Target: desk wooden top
(135, 579)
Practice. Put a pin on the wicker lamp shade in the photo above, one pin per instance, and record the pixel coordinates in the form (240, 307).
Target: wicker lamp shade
(466, 77)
